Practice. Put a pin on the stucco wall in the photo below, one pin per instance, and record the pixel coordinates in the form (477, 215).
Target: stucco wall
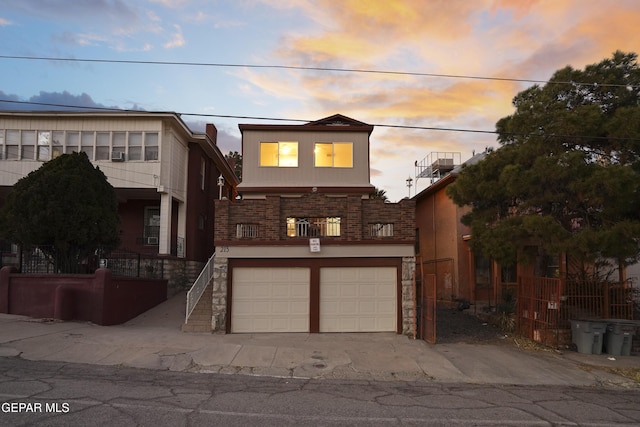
(99, 298)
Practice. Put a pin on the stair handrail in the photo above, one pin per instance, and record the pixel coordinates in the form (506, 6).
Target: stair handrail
(199, 286)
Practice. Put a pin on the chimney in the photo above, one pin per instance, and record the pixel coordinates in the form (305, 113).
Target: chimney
(212, 132)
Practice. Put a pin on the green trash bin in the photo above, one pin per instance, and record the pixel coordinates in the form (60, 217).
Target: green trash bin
(587, 335)
(619, 337)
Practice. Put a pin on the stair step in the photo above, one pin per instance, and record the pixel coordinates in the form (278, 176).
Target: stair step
(196, 328)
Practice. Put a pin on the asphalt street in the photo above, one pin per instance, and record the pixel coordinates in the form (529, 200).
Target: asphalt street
(64, 394)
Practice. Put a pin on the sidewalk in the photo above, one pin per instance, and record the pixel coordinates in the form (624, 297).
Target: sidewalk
(154, 341)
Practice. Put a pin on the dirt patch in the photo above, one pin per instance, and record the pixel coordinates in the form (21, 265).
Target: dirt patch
(454, 326)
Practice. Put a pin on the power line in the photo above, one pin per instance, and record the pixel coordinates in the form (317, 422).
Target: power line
(382, 125)
(302, 68)
(227, 116)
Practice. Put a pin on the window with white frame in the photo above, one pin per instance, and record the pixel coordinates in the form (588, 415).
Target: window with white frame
(151, 232)
(381, 230)
(135, 146)
(86, 143)
(57, 143)
(279, 154)
(12, 140)
(28, 145)
(333, 155)
(151, 146)
(313, 227)
(72, 142)
(44, 145)
(119, 144)
(103, 142)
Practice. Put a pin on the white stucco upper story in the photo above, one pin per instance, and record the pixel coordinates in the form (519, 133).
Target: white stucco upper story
(319, 154)
(134, 150)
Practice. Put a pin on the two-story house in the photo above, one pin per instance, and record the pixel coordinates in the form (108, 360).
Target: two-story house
(306, 248)
(165, 176)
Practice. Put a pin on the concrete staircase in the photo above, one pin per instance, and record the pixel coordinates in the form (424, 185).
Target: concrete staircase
(200, 319)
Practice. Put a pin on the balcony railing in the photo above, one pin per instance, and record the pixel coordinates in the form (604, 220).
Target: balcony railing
(313, 227)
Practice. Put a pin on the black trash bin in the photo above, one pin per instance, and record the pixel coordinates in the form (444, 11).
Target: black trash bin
(619, 337)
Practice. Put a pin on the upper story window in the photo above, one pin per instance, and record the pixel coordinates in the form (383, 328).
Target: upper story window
(333, 154)
(45, 145)
(103, 140)
(135, 146)
(87, 141)
(28, 144)
(13, 144)
(151, 146)
(313, 227)
(72, 142)
(279, 154)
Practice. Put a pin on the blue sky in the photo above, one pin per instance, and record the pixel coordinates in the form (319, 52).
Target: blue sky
(522, 39)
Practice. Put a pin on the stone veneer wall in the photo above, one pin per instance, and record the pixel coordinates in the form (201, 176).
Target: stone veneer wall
(219, 296)
(409, 321)
(180, 274)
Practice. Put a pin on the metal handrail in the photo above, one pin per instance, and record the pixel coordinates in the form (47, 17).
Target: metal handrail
(200, 284)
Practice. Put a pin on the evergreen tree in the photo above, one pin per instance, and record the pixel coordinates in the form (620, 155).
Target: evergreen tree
(66, 208)
(567, 175)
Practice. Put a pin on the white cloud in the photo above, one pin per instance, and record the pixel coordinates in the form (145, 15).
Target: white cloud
(4, 22)
(177, 39)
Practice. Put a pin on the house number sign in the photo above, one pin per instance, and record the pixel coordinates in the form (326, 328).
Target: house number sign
(314, 245)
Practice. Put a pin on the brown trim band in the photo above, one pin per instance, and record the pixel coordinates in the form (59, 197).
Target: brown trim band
(305, 190)
(305, 242)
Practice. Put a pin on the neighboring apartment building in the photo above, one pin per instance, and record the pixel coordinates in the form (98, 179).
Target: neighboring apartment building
(442, 248)
(306, 249)
(165, 176)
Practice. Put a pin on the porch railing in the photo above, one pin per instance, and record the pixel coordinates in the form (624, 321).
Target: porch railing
(199, 286)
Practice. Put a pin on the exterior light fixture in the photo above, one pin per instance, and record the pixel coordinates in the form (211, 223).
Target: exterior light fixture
(409, 184)
(220, 185)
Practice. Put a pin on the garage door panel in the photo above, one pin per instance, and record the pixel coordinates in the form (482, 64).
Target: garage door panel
(330, 290)
(349, 290)
(365, 307)
(270, 300)
(358, 299)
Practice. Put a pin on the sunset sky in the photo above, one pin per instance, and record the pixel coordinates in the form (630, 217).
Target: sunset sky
(451, 62)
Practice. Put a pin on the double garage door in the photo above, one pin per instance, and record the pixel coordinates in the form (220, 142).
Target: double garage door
(351, 299)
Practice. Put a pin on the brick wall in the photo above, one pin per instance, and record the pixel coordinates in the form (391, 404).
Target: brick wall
(356, 214)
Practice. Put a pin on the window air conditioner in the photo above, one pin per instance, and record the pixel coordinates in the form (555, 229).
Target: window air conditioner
(117, 156)
(152, 240)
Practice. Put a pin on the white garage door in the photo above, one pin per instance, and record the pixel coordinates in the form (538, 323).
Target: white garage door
(270, 300)
(358, 299)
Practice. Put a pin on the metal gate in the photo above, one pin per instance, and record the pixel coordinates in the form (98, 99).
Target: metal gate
(428, 296)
